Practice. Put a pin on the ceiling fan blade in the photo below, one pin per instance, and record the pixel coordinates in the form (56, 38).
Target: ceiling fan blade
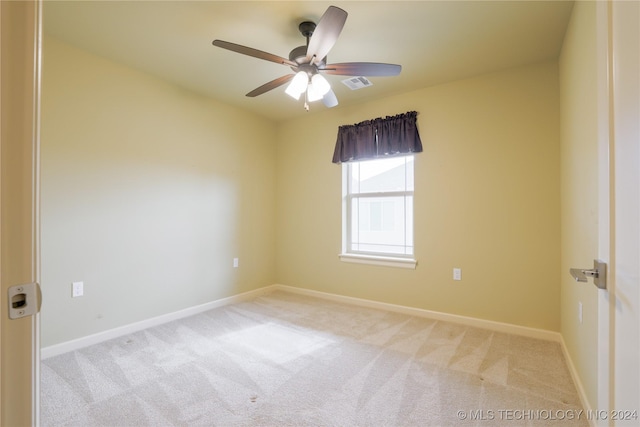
(366, 69)
(329, 99)
(253, 52)
(270, 85)
(326, 32)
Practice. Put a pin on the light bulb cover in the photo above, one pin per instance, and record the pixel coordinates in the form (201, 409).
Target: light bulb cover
(313, 94)
(320, 84)
(298, 85)
(294, 95)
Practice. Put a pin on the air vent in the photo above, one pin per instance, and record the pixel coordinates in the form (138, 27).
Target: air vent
(355, 83)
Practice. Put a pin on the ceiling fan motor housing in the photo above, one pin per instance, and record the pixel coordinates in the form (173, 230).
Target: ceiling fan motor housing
(299, 54)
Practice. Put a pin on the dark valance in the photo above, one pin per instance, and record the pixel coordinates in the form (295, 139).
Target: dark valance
(378, 138)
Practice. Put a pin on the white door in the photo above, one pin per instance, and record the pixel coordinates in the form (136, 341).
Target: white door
(19, 93)
(625, 25)
(619, 307)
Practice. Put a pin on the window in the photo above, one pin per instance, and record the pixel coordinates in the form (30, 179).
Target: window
(378, 211)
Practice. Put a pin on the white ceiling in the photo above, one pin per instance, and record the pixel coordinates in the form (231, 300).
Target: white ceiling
(434, 41)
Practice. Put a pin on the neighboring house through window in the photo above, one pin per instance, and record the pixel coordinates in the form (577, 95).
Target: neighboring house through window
(379, 207)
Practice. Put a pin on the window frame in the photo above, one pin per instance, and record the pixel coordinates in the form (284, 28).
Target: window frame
(372, 257)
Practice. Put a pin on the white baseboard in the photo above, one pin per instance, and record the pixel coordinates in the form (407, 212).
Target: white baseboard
(76, 344)
(454, 318)
(79, 343)
(577, 382)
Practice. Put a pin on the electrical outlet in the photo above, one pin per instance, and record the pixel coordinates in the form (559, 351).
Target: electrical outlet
(457, 274)
(77, 289)
(235, 262)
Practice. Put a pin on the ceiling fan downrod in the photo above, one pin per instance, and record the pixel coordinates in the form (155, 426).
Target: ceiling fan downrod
(299, 53)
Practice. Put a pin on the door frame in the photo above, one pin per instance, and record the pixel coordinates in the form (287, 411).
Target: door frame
(20, 61)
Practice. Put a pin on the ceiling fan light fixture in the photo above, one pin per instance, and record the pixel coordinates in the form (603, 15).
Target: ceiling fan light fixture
(298, 85)
(313, 94)
(308, 61)
(294, 95)
(320, 84)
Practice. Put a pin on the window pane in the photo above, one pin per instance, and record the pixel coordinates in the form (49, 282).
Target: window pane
(409, 174)
(354, 177)
(382, 175)
(375, 213)
(379, 224)
(388, 216)
(355, 222)
(409, 225)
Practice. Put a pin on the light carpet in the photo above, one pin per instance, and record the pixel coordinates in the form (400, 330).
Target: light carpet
(284, 359)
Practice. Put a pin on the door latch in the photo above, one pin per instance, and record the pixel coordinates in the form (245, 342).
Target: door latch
(24, 300)
(598, 273)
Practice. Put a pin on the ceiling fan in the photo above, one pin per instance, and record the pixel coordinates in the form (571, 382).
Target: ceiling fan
(310, 62)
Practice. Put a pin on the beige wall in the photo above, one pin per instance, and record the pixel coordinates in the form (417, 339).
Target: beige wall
(148, 193)
(579, 190)
(487, 200)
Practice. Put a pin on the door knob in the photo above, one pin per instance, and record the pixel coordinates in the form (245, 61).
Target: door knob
(598, 273)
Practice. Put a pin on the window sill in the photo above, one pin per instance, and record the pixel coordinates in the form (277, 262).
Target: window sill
(379, 260)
